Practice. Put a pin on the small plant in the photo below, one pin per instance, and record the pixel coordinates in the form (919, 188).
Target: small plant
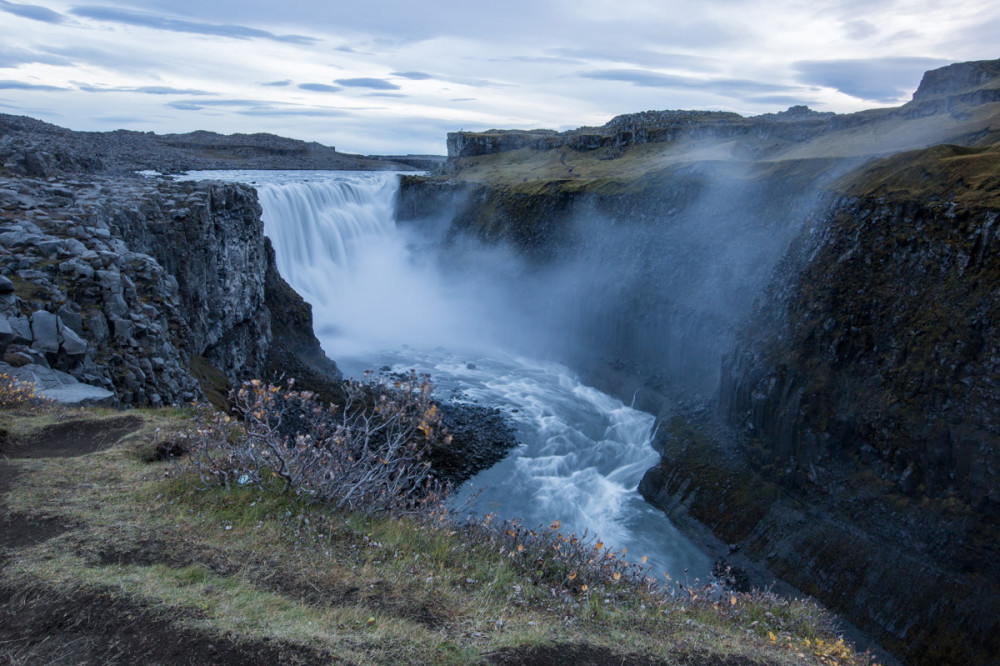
(17, 394)
(369, 454)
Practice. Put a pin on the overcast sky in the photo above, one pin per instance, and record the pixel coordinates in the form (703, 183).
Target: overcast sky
(394, 76)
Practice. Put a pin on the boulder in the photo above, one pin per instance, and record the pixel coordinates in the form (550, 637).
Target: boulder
(72, 343)
(45, 332)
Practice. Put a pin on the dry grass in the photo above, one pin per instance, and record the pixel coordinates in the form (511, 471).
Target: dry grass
(238, 567)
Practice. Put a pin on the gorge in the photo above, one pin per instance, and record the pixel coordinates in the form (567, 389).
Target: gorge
(805, 302)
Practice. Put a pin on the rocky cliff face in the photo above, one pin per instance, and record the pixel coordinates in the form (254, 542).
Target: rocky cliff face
(140, 286)
(872, 364)
(857, 453)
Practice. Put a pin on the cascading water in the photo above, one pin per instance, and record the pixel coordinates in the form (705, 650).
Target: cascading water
(379, 298)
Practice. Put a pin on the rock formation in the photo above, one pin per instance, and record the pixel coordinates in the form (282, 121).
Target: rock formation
(138, 286)
(851, 445)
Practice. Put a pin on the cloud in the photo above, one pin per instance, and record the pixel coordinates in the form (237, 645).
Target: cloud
(385, 94)
(286, 82)
(199, 104)
(413, 76)
(641, 57)
(374, 84)
(123, 120)
(860, 29)
(113, 15)
(781, 100)
(318, 87)
(648, 79)
(146, 90)
(883, 80)
(138, 63)
(7, 84)
(277, 112)
(463, 99)
(14, 57)
(34, 12)
(640, 77)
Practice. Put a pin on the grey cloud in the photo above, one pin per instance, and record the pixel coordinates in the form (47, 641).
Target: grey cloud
(110, 59)
(860, 29)
(32, 12)
(128, 120)
(542, 60)
(199, 104)
(385, 94)
(641, 57)
(286, 82)
(781, 100)
(186, 106)
(15, 57)
(278, 112)
(464, 99)
(647, 79)
(146, 90)
(879, 79)
(413, 76)
(7, 84)
(640, 78)
(318, 87)
(180, 25)
(374, 84)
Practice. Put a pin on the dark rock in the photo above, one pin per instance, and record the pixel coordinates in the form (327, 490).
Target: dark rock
(72, 343)
(45, 332)
(6, 333)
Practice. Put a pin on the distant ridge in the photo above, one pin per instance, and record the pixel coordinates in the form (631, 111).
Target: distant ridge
(127, 150)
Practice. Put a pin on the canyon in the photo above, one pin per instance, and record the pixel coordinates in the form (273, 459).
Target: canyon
(806, 301)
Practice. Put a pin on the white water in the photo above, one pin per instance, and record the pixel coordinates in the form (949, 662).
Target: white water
(379, 298)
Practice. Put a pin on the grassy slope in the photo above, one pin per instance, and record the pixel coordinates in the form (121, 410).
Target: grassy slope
(119, 551)
(882, 133)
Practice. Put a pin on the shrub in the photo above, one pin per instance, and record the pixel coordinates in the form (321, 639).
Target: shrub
(368, 454)
(14, 393)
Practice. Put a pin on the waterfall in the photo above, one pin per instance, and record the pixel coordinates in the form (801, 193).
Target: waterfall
(381, 298)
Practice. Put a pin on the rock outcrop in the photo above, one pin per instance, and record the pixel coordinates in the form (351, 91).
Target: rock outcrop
(865, 384)
(155, 290)
(852, 446)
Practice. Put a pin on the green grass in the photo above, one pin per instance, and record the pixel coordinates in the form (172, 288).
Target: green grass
(367, 589)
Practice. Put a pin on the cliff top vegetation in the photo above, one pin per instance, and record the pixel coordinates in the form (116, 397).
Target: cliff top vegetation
(957, 104)
(110, 551)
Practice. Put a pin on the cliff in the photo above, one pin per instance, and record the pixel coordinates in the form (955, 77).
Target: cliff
(874, 368)
(142, 287)
(846, 266)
